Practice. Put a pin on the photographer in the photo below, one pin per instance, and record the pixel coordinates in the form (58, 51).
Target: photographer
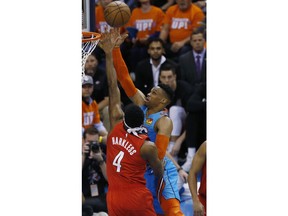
(94, 177)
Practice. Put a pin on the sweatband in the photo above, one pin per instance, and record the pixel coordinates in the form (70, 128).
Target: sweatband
(161, 143)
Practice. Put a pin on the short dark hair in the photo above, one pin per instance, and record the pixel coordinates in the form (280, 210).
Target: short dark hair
(166, 67)
(134, 116)
(168, 90)
(155, 39)
(91, 131)
(199, 31)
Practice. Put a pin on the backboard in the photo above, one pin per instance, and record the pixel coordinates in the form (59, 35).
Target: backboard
(88, 15)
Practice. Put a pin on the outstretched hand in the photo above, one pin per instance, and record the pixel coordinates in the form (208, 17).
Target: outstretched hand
(110, 39)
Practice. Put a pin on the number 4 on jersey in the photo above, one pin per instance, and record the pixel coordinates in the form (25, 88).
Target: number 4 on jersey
(117, 160)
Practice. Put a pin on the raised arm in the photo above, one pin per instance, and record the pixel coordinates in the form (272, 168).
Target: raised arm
(108, 40)
(149, 152)
(123, 76)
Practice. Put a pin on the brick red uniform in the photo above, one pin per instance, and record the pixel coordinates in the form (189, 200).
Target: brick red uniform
(127, 193)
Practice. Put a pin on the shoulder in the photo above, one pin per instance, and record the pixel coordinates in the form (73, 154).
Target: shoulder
(136, 11)
(182, 84)
(195, 8)
(164, 121)
(172, 8)
(144, 62)
(186, 56)
(171, 62)
(143, 65)
(156, 9)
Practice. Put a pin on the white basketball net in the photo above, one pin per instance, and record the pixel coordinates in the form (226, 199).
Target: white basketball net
(87, 49)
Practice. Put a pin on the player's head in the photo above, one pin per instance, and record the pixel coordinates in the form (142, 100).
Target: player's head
(87, 86)
(159, 96)
(133, 116)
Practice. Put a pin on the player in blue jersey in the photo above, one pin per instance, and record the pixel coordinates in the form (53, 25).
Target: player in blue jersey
(159, 127)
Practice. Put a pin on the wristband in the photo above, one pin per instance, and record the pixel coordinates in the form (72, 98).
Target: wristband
(180, 168)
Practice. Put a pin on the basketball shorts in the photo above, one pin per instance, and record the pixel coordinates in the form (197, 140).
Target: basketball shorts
(170, 190)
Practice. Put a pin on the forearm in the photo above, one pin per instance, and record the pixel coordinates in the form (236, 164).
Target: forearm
(192, 182)
(181, 138)
(112, 81)
(164, 33)
(158, 169)
(186, 41)
(104, 170)
(161, 143)
(168, 4)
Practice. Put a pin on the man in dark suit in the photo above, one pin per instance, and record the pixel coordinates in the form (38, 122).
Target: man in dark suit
(147, 70)
(193, 63)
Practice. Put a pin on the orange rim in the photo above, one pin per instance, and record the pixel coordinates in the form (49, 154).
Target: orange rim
(90, 36)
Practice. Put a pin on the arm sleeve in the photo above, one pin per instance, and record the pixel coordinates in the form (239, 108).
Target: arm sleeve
(161, 142)
(123, 74)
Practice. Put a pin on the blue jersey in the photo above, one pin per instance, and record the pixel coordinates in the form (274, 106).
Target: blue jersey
(149, 122)
(170, 175)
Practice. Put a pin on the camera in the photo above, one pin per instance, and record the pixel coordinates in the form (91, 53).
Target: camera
(94, 146)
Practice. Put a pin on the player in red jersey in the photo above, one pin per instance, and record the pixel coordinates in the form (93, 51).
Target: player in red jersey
(128, 152)
(198, 164)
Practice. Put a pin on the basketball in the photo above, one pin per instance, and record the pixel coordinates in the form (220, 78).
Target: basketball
(117, 14)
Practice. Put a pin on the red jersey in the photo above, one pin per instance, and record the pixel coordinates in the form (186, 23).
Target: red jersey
(127, 192)
(125, 166)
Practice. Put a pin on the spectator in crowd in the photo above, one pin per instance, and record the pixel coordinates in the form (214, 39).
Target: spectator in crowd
(100, 88)
(163, 4)
(198, 165)
(179, 22)
(94, 177)
(128, 151)
(182, 92)
(193, 63)
(100, 21)
(159, 127)
(195, 122)
(147, 70)
(201, 4)
(90, 111)
(131, 3)
(146, 21)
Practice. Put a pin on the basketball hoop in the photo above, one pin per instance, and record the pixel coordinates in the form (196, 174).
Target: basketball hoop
(89, 43)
